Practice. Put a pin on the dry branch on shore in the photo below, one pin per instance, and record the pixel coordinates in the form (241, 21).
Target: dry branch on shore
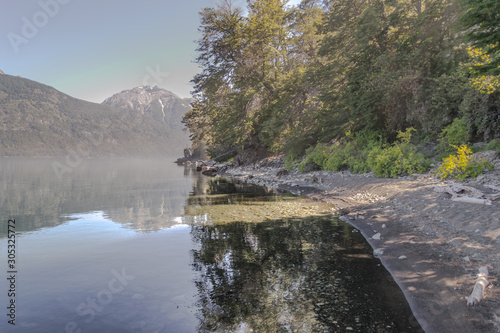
(462, 193)
(479, 288)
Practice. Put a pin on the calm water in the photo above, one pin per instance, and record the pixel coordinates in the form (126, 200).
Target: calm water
(147, 246)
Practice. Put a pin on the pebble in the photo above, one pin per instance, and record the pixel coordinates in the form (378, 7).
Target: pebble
(376, 236)
(402, 257)
(467, 258)
(378, 252)
(384, 226)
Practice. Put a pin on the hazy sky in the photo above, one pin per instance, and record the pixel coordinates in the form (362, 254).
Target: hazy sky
(92, 49)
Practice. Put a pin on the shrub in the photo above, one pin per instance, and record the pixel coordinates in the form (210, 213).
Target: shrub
(315, 157)
(397, 159)
(366, 152)
(457, 133)
(290, 161)
(493, 145)
(462, 165)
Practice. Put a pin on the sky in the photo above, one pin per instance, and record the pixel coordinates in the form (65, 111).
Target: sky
(92, 49)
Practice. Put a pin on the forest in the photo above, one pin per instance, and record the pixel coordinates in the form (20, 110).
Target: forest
(360, 85)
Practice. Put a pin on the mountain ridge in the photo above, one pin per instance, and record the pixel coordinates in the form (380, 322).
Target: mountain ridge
(38, 120)
(152, 101)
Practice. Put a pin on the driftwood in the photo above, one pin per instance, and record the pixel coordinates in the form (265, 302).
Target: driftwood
(456, 190)
(472, 200)
(493, 187)
(462, 193)
(479, 288)
(494, 196)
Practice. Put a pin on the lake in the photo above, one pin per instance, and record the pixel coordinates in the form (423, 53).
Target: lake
(149, 246)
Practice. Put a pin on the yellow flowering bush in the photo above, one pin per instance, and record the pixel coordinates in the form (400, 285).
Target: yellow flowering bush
(485, 84)
(462, 165)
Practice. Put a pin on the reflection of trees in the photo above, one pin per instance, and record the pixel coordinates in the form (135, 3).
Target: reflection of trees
(304, 275)
(141, 194)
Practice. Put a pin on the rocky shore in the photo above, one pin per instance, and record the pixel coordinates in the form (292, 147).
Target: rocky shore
(431, 242)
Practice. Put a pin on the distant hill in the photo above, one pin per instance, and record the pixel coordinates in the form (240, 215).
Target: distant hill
(38, 120)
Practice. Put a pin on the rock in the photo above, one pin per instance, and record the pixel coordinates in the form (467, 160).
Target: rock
(311, 167)
(384, 226)
(343, 211)
(467, 258)
(479, 144)
(488, 155)
(378, 252)
(282, 172)
(209, 171)
(376, 236)
(344, 218)
(402, 257)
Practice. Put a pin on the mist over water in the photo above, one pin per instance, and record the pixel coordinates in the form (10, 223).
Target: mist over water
(148, 246)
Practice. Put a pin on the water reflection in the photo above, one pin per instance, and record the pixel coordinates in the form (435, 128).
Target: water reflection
(143, 195)
(289, 274)
(244, 259)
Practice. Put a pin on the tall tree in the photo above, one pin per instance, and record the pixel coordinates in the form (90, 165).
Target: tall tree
(481, 19)
(213, 119)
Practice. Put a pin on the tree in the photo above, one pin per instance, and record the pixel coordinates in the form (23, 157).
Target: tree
(481, 19)
(213, 120)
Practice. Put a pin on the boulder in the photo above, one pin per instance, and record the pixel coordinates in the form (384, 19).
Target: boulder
(282, 172)
(488, 155)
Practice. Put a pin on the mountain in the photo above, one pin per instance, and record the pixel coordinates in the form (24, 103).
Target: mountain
(38, 120)
(160, 104)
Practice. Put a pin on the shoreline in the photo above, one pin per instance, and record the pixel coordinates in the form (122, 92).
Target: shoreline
(432, 246)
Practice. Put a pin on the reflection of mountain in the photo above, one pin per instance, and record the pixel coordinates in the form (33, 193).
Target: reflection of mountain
(306, 275)
(141, 194)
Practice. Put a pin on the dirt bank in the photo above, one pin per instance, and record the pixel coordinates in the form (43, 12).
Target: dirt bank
(443, 242)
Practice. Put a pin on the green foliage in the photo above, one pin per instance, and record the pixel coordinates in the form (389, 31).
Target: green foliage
(480, 22)
(462, 165)
(398, 159)
(493, 145)
(290, 161)
(362, 153)
(457, 133)
(292, 77)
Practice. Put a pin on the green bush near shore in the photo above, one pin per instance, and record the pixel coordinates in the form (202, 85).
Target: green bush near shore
(364, 153)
